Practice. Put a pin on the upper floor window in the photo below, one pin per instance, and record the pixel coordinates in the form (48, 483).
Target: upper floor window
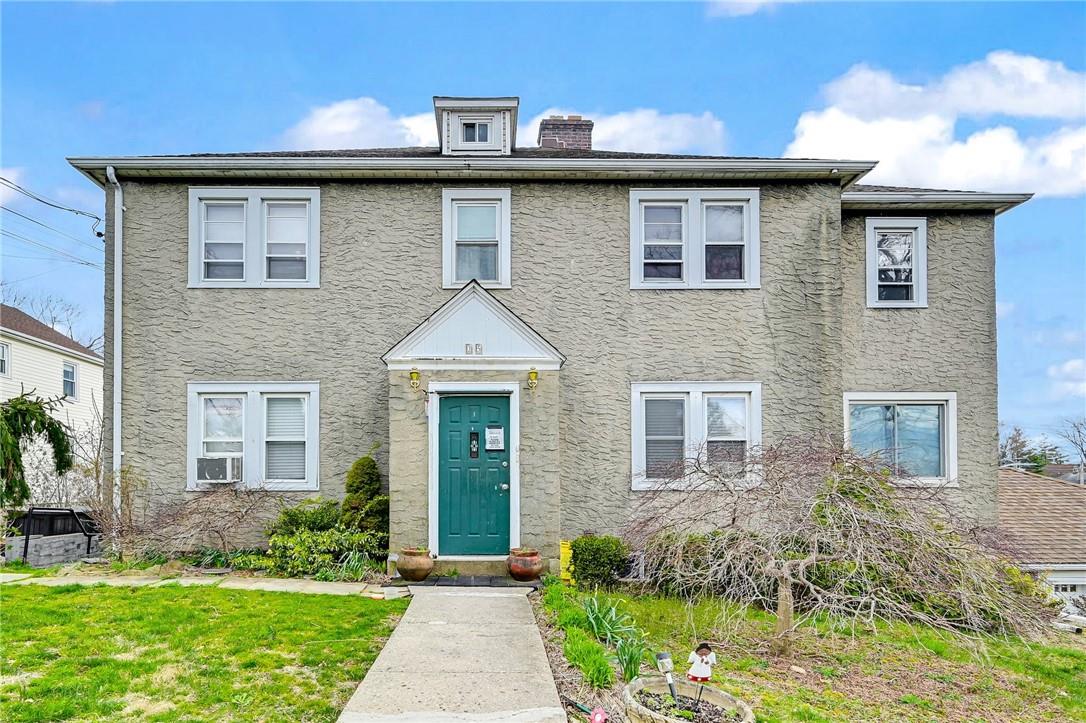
(5, 360)
(256, 434)
(476, 237)
(914, 433)
(677, 422)
(897, 262)
(475, 132)
(698, 238)
(68, 380)
(254, 237)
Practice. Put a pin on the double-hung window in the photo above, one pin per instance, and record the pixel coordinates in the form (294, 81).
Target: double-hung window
(698, 238)
(914, 433)
(254, 237)
(897, 272)
(68, 380)
(5, 360)
(254, 434)
(675, 423)
(476, 237)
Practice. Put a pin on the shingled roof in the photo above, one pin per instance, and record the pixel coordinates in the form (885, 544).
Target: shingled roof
(1044, 517)
(20, 322)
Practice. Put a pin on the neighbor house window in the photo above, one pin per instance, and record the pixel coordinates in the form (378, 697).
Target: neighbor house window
(915, 434)
(897, 262)
(700, 238)
(68, 380)
(675, 423)
(254, 237)
(5, 360)
(1068, 588)
(253, 434)
(475, 132)
(476, 237)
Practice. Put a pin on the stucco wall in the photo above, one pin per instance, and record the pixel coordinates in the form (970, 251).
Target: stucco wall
(948, 347)
(540, 491)
(804, 334)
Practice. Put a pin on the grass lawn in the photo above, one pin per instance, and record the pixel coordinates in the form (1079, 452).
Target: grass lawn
(192, 653)
(893, 674)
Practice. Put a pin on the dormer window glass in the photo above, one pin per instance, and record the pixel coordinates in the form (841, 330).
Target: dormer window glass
(475, 132)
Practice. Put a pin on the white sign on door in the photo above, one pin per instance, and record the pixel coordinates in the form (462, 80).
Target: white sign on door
(495, 439)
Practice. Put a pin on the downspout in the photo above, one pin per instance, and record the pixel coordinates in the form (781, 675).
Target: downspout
(118, 240)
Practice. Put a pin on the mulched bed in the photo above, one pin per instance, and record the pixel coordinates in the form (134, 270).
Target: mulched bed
(703, 712)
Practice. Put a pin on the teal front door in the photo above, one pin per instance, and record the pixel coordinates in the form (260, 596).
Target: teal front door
(473, 475)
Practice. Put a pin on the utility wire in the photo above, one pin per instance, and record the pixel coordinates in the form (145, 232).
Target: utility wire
(54, 230)
(42, 199)
(59, 252)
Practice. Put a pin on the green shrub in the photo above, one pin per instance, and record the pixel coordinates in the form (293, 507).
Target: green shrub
(598, 560)
(308, 552)
(365, 508)
(606, 622)
(589, 657)
(313, 515)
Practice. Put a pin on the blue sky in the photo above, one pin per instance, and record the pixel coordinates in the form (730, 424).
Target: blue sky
(974, 95)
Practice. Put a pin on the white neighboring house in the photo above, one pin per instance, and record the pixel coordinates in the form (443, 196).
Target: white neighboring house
(36, 358)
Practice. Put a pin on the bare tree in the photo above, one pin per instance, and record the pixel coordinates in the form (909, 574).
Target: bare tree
(1073, 431)
(55, 312)
(808, 527)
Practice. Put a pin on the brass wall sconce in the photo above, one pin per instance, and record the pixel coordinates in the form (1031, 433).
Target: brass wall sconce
(533, 378)
(415, 382)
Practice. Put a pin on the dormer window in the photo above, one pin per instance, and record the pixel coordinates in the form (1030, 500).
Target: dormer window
(476, 126)
(475, 132)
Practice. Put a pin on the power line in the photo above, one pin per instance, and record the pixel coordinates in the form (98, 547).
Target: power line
(53, 249)
(42, 199)
(54, 230)
(28, 278)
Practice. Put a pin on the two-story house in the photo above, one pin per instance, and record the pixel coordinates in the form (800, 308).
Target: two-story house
(36, 358)
(533, 334)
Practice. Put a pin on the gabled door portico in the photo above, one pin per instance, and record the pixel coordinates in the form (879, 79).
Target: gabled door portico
(467, 369)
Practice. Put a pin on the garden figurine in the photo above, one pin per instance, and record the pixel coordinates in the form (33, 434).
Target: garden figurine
(701, 662)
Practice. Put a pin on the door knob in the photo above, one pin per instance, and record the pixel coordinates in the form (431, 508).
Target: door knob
(505, 464)
(505, 488)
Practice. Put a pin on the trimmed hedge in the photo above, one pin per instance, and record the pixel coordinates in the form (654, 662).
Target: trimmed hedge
(598, 560)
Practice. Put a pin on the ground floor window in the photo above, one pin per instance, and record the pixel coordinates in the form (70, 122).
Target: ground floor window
(254, 434)
(674, 423)
(915, 433)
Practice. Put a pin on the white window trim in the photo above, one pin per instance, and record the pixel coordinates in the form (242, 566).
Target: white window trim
(693, 237)
(264, 438)
(694, 423)
(75, 380)
(459, 118)
(451, 196)
(254, 420)
(255, 270)
(919, 227)
(6, 371)
(950, 402)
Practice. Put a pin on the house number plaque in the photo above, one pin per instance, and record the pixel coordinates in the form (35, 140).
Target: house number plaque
(495, 439)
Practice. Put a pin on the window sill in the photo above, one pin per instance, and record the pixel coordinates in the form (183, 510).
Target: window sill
(909, 305)
(457, 285)
(269, 486)
(715, 286)
(254, 285)
(920, 482)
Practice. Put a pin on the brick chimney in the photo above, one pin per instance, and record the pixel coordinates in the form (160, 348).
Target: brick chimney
(566, 132)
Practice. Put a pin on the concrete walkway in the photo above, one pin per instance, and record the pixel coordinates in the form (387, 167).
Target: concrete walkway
(460, 654)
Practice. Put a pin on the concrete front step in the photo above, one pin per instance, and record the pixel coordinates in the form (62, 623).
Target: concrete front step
(496, 568)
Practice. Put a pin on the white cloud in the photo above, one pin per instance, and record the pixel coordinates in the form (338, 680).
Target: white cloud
(359, 123)
(1003, 83)
(910, 129)
(740, 8)
(1004, 309)
(1068, 379)
(366, 123)
(644, 130)
(14, 175)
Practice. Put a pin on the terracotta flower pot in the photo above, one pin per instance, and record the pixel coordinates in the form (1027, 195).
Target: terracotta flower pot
(525, 564)
(414, 564)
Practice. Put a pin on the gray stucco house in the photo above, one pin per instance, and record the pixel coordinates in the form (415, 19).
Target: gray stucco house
(533, 333)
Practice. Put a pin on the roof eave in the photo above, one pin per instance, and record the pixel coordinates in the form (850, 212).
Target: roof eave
(845, 172)
(949, 200)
